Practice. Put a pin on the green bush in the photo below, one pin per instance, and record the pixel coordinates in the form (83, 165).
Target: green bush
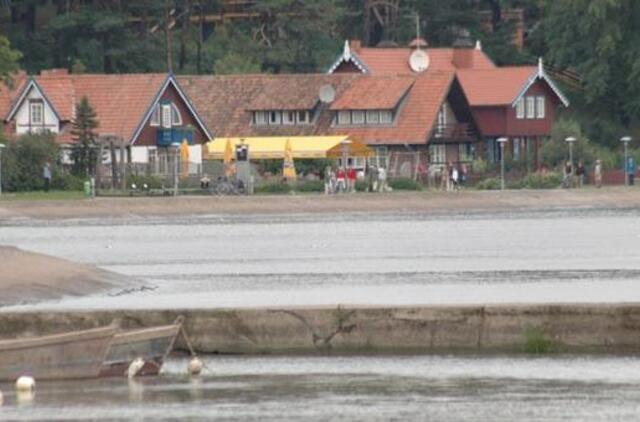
(361, 186)
(23, 160)
(67, 181)
(403, 183)
(153, 182)
(273, 188)
(536, 342)
(310, 186)
(490, 183)
(541, 181)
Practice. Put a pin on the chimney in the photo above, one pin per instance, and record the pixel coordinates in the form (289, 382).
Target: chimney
(54, 72)
(355, 45)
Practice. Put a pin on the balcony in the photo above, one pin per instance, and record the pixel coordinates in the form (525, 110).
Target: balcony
(456, 132)
(166, 137)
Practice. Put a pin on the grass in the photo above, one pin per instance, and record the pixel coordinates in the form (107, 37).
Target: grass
(536, 343)
(54, 195)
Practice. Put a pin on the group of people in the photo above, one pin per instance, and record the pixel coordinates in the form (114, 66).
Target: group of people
(453, 177)
(344, 180)
(576, 177)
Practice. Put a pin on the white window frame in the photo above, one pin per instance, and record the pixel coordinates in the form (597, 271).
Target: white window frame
(36, 108)
(275, 117)
(344, 117)
(520, 109)
(437, 153)
(176, 118)
(303, 117)
(358, 117)
(155, 116)
(373, 117)
(386, 117)
(260, 118)
(166, 116)
(531, 107)
(289, 117)
(540, 107)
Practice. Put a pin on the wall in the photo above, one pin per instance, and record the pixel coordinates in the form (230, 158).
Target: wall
(22, 115)
(491, 121)
(436, 329)
(533, 127)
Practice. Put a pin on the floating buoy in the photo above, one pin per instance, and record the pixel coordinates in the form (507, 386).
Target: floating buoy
(25, 383)
(195, 366)
(135, 367)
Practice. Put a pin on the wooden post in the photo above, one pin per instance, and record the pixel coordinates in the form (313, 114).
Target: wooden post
(114, 164)
(123, 166)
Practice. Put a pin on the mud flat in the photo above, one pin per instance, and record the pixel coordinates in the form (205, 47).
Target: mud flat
(566, 328)
(27, 277)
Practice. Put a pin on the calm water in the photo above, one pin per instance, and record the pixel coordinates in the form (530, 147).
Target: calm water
(353, 388)
(226, 261)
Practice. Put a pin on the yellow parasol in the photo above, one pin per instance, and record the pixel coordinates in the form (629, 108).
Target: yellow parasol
(184, 157)
(288, 170)
(229, 169)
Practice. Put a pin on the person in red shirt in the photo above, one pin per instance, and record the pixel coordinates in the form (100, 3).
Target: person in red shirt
(340, 179)
(351, 176)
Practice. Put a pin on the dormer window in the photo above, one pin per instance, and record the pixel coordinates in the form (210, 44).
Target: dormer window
(166, 115)
(279, 117)
(36, 112)
(362, 117)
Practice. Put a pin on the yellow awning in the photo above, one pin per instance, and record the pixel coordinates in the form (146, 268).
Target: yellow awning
(303, 147)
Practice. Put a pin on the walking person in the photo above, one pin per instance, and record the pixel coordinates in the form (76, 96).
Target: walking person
(631, 169)
(382, 179)
(450, 185)
(352, 175)
(580, 173)
(444, 177)
(341, 176)
(568, 175)
(463, 174)
(597, 174)
(455, 183)
(46, 175)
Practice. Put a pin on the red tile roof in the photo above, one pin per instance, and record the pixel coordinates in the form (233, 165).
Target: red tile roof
(495, 87)
(415, 117)
(396, 60)
(375, 92)
(291, 92)
(9, 95)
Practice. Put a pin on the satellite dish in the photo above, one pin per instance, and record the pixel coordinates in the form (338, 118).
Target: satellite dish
(327, 94)
(419, 61)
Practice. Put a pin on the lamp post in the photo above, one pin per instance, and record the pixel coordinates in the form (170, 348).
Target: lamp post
(502, 142)
(1, 147)
(570, 140)
(176, 146)
(625, 140)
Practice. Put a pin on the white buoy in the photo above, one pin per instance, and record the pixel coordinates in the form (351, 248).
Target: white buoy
(0, 398)
(25, 383)
(135, 367)
(195, 366)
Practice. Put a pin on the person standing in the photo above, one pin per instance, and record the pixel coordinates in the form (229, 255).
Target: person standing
(46, 175)
(351, 177)
(597, 174)
(631, 169)
(382, 179)
(341, 175)
(580, 173)
(455, 178)
(444, 177)
(568, 175)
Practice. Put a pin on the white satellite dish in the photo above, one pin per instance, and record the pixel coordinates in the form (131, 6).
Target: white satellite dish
(327, 94)
(419, 61)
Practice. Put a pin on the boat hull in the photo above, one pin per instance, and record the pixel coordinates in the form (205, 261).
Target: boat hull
(151, 344)
(77, 354)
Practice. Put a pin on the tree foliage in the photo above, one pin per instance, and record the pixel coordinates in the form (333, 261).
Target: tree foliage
(84, 153)
(8, 60)
(23, 160)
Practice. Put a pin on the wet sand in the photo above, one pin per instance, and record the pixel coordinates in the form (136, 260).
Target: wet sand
(420, 202)
(27, 277)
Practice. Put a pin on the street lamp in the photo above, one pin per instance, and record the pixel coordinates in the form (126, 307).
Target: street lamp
(570, 140)
(502, 141)
(1, 147)
(625, 140)
(176, 146)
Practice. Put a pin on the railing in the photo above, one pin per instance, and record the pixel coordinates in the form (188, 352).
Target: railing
(166, 137)
(456, 131)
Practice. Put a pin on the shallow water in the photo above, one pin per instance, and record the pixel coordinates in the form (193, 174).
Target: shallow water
(405, 259)
(439, 388)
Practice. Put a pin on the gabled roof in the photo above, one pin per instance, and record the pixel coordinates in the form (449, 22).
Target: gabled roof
(348, 56)
(415, 117)
(31, 84)
(375, 92)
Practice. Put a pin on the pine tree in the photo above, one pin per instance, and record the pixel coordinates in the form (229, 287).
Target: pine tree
(84, 152)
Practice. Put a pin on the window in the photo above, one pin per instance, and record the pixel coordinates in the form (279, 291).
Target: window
(373, 117)
(531, 107)
(288, 117)
(357, 117)
(437, 153)
(465, 152)
(540, 107)
(155, 116)
(166, 115)
(275, 118)
(344, 117)
(520, 109)
(386, 117)
(259, 118)
(442, 120)
(304, 117)
(176, 119)
(36, 112)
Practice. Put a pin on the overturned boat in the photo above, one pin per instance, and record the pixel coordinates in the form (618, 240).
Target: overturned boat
(152, 345)
(76, 354)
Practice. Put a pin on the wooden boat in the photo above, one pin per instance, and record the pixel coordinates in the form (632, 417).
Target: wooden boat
(153, 345)
(77, 354)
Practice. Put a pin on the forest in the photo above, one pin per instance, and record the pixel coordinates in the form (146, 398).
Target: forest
(591, 46)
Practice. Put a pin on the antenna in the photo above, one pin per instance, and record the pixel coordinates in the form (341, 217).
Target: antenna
(327, 93)
(418, 29)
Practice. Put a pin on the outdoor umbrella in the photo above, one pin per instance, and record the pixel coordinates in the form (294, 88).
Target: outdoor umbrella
(184, 157)
(288, 170)
(228, 159)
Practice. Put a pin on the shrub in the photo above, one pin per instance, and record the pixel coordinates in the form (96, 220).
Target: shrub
(541, 180)
(488, 184)
(310, 186)
(23, 160)
(537, 343)
(67, 181)
(153, 182)
(403, 183)
(273, 188)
